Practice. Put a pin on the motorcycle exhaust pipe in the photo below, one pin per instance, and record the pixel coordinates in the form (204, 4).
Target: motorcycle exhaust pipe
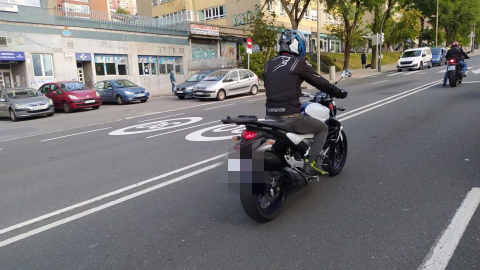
(293, 179)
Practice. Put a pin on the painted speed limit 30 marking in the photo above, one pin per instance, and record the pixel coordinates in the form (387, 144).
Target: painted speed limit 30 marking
(214, 133)
(156, 126)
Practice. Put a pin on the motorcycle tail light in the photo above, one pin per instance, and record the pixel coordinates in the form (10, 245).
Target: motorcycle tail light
(452, 61)
(235, 138)
(248, 135)
(330, 106)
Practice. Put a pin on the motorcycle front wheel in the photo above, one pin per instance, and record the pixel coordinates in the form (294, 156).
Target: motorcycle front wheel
(337, 156)
(257, 200)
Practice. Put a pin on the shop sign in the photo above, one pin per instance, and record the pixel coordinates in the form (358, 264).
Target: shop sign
(12, 56)
(83, 57)
(8, 7)
(206, 30)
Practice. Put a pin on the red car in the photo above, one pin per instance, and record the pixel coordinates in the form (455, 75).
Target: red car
(72, 95)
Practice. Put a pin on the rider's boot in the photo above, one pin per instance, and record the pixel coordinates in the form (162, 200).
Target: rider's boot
(313, 165)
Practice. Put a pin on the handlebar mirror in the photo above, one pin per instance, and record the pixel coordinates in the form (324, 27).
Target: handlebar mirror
(347, 73)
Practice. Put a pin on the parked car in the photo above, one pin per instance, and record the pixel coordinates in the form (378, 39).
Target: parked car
(226, 82)
(120, 91)
(185, 89)
(439, 56)
(24, 102)
(415, 58)
(71, 95)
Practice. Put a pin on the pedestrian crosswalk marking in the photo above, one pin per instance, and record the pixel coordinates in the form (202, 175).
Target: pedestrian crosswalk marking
(476, 71)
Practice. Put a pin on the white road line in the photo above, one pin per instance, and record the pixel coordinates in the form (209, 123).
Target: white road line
(442, 252)
(183, 108)
(380, 81)
(471, 82)
(74, 134)
(1, 149)
(217, 121)
(160, 117)
(393, 74)
(476, 71)
(410, 73)
(110, 194)
(385, 103)
(422, 73)
(219, 106)
(104, 206)
(257, 99)
(441, 71)
(371, 75)
(385, 99)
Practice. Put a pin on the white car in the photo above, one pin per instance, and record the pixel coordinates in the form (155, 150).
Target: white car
(227, 82)
(416, 58)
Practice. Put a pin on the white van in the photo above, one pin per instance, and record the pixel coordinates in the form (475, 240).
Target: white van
(416, 58)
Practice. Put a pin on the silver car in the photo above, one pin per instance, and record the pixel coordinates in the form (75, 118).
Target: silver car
(24, 102)
(227, 82)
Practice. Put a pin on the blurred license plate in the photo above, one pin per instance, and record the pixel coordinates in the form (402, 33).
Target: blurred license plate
(36, 108)
(140, 95)
(89, 101)
(199, 94)
(451, 68)
(180, 92)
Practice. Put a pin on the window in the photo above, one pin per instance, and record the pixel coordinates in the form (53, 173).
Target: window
(162, 49)
(243, 74)
(154, 2)
(167, 64)
(110, 64)
(42, 65)
(181, 50)
(171, 50)
(271, 8)
(212, 13)
(306, 15)
(282, 11)
(147, 65)
(314, 15)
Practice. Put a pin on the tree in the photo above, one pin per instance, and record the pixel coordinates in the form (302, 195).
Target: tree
(408, 26)
(457, 17)
(262, 29)
(295, 10)
(122, 11)
(351, 12)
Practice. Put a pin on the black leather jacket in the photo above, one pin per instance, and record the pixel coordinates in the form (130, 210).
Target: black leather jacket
(457, 54)
(284, 75)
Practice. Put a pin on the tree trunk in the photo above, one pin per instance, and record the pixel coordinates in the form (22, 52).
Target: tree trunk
(420, 37)
(373, 61)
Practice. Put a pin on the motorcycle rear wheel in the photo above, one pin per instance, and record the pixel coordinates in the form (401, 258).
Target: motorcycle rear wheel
(337, 156)
(452, 78)
(258, 204)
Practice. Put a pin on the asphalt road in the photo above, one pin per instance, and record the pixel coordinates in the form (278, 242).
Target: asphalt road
(143, 186)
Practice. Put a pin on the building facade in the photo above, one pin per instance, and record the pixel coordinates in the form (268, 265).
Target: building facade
(65, 47)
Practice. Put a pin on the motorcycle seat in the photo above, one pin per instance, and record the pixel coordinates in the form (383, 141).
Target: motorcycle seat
(275, 124)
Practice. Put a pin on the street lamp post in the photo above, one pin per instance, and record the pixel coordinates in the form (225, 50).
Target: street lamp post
(379, 52)
(436, 27)
(318, 37)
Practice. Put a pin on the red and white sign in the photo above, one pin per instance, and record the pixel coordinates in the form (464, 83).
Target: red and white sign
(249, 45)
(207, 30)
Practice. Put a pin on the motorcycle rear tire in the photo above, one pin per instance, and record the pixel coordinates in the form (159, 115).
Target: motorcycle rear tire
(252, 196)
(452, 78)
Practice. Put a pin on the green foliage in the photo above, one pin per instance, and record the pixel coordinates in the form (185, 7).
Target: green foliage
(408, 27)
(262, 29)
(122, 11)
(326, 61)
(257, 61)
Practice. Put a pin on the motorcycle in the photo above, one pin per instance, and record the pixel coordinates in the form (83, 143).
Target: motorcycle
(455, 74)
(270, 156)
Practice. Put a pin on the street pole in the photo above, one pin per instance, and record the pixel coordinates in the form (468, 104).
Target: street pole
(473, 38)
(380, 42)
(318, 37)
(436, 28)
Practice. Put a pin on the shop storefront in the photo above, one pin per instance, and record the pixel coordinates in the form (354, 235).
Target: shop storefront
(205, 46)
(12, 69)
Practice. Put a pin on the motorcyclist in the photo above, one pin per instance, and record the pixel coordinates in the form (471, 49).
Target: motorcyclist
(459, 55)
(284, 75)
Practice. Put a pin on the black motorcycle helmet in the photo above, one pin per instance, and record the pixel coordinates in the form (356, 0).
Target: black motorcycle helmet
(293, 42)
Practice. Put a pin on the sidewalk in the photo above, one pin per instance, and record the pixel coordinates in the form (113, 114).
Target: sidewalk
(356, 73)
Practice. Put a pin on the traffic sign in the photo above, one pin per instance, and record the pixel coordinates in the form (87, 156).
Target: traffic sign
(249, 45)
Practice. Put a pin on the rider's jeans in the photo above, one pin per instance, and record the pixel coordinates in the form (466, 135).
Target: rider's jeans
(464, 70)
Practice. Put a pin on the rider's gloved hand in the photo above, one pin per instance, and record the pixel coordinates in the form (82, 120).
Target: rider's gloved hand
(342, 94)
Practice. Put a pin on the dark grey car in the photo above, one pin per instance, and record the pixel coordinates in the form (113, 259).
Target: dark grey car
(185, 89)
(24, 102)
